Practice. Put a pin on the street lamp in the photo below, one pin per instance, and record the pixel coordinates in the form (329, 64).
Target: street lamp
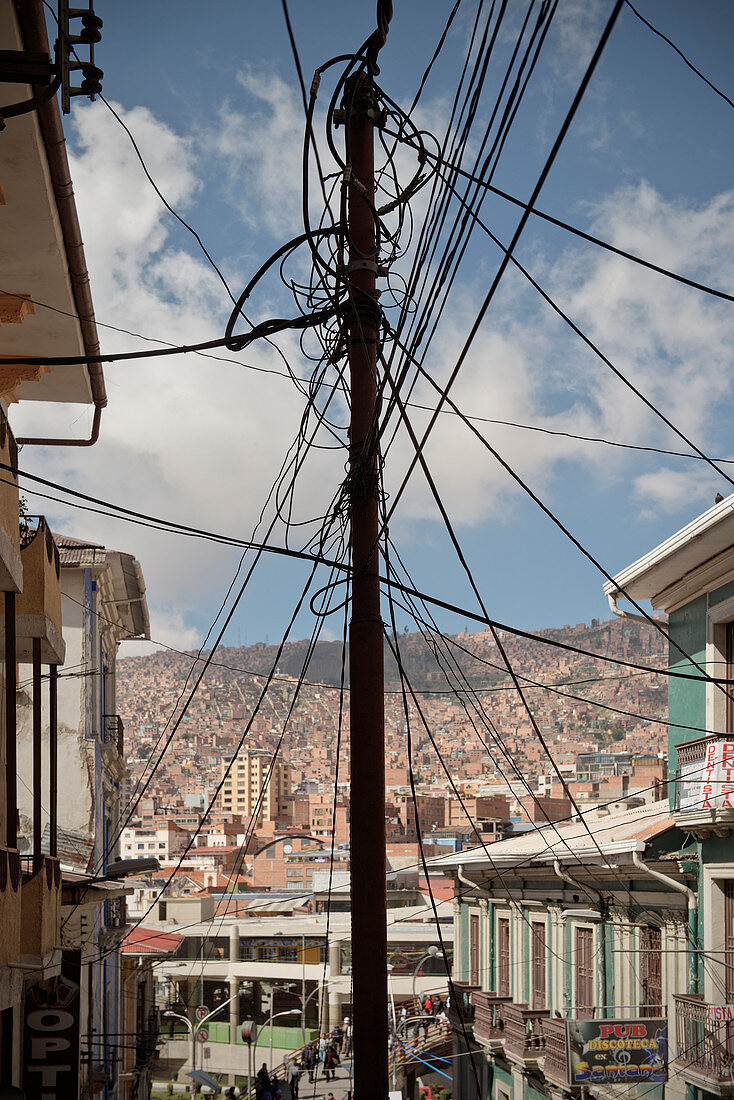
(431, 953)
(271, 1017)
(193, 1029)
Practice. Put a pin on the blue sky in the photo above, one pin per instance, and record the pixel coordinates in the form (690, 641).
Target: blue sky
(210, 95)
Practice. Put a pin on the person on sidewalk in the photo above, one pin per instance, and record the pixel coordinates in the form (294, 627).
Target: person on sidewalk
(294, 1076)
(331, 1061)
(310, 1060)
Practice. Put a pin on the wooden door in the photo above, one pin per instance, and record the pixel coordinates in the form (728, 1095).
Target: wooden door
(539, 957)
(474, 976)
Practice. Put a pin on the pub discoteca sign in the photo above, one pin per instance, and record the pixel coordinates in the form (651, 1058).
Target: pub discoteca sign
(624, 1051)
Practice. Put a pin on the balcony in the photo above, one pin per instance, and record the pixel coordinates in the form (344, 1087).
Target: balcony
(40, 931)
(555, 1063)
(113, 733)
(146, 1046)
(524, 1035)
(38, 608)
(704, 792)
(705, 1047)
(11, 571)
(489, 1021)
(10, 906)
(461, 1009)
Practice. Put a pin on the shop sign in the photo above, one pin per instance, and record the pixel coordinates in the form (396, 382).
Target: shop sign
(617, 1051)
(51, 1034)
(708, 784)
(717, 1014)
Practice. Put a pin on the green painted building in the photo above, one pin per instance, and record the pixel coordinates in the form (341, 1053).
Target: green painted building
(619, 915)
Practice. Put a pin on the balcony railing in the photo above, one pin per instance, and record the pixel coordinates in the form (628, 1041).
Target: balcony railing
(555, 1064)
(38, 607)
(461, 1007)
(11, 572)
(146, 1047)
(10, 905)
(701, 793)
(489, 1021)
(40, 906)
(114, 732)
(524, 1035)
(704, 1046)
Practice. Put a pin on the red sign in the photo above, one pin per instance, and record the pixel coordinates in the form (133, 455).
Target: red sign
(201, 1012)
(249, 1031)
(51, 1034)
(202, 1035)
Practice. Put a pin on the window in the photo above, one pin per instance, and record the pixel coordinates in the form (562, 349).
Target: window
(503, 957)
(728, 891)
(584, 973)
(474, 949)
(538, 965)
(651, 971)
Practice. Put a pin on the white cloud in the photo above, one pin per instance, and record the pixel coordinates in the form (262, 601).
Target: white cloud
(666, 491)
(186, 438)
(673, 342)
(200, 441)
(167, 628)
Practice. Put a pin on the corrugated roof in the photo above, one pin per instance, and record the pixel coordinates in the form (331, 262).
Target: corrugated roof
(146, 941)
(127, 579)
(614, 834)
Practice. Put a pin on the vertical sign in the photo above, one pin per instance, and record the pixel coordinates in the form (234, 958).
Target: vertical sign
(51, 1034)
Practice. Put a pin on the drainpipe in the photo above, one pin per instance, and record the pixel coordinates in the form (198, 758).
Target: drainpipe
(33, 30)
(462, 877)
(563, 874)
(692, 917)
(622, 614)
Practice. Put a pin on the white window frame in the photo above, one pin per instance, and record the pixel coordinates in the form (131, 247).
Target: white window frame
(716, 620)
(575, 925)
(713, 924)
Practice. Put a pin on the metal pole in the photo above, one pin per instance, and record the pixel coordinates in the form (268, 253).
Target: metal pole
(366, 659)
(53, 684)
(303, 990)
(37, 746)
(11, 767)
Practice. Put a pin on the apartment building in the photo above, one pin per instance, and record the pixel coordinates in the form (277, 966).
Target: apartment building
(256, 786)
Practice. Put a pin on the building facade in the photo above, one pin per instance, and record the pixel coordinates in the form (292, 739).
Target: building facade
(255, 786)
(620, 917)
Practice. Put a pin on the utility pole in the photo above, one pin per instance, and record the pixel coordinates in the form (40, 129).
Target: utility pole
(366, 662)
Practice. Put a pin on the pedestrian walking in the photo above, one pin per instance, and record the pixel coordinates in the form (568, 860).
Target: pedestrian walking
(331, 1061)
(310, 1059)
(294, 1077)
